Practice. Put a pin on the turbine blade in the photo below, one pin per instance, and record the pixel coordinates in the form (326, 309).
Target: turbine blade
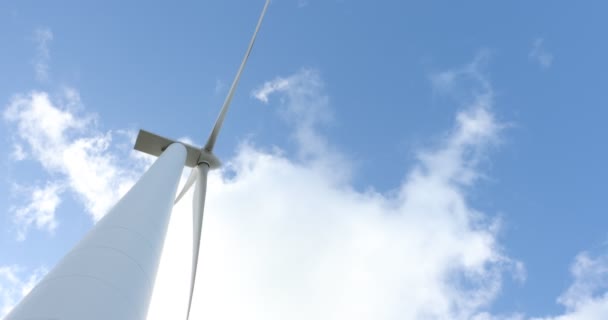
(220, 119)
(188, 185)
(198, 207)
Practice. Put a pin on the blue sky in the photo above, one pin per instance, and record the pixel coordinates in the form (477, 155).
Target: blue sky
(405, 110)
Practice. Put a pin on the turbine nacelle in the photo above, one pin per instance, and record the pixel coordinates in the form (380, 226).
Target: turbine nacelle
(153, 144)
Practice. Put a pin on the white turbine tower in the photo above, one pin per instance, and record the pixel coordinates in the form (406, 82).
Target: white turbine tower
(110, 273)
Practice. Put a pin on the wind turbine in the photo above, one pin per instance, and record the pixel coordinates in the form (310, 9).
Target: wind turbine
(206, 161)
(110, 273)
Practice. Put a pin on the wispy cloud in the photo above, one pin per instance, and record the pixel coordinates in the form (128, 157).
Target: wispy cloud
(77, 156)
(302, 3)
(15, 284)
(277, 85)
(38, 209)
(42, 38)
(467, 84)
(540, 55)
(18, 154)
(304, 104)
(587, 297)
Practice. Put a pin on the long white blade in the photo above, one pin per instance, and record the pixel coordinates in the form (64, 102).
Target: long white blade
(188, 185)
(220, 119)
(198, 207)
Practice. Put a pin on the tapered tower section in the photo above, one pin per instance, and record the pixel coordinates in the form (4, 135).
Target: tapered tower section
(110, 273)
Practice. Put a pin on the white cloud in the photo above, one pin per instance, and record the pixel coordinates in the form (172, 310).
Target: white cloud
(590, 275)
(467, 84)
(587, 297)
(14, 285)
(489, 316)
(42, 38)
(277, 85)
(18, 154)
(292, 239)
(540, 55)
(76, 155)
(305, 105)
(38, 210)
